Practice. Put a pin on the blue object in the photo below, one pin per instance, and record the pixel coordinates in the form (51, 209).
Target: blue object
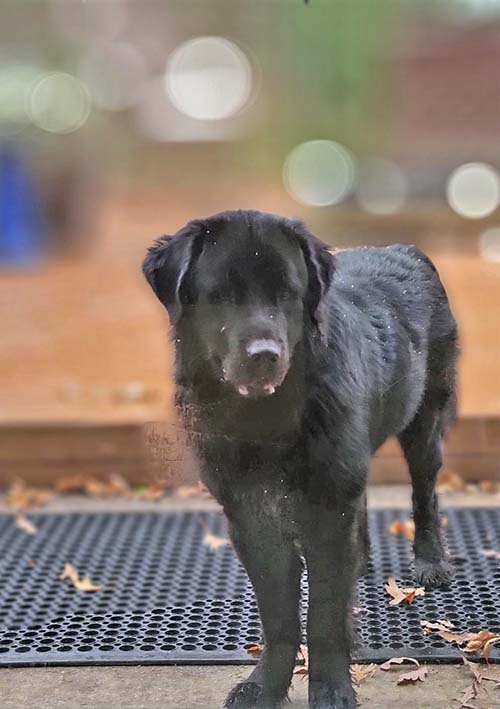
(23, 230)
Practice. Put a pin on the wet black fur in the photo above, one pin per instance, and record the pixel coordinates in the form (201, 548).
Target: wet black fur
(376, 358)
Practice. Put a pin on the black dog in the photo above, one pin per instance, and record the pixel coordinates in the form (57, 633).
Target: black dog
(293, 365)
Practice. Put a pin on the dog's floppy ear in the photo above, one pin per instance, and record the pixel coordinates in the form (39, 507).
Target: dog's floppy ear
(320, 264)
(167, 267)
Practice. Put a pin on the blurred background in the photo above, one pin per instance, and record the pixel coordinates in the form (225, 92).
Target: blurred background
(120, 120)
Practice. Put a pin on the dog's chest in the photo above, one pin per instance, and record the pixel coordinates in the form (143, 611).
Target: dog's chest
(277, 506)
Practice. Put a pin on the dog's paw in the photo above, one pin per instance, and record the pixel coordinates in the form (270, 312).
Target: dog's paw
(327, 696)
(243, 696)
(433, 574)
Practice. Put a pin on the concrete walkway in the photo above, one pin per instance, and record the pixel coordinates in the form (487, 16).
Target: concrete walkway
(205, 687)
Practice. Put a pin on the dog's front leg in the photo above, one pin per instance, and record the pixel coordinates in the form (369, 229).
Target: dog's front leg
(274, 569)
(330, 549)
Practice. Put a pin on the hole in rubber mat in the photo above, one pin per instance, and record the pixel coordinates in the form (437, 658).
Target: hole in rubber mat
(173, 600)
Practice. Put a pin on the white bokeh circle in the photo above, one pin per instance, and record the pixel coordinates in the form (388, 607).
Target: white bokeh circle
(319, 173)
(208, 78)
(59, 103)
(473, 190)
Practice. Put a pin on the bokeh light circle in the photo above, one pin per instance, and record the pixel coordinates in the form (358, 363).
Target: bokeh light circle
(319, 173)
(489, 245)
(59, 103)
(208, 78)
(382, 187)
(473, 190)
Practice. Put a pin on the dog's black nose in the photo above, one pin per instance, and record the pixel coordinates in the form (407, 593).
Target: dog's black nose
(265, 351)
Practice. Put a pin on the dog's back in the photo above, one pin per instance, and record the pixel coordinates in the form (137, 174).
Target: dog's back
(403, 329)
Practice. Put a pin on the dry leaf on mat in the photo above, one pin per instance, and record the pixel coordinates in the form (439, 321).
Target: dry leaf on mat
(214, 542)
(360, 673)
(25, 524)
(402, 594)
(491, 553)
(398, 661)
(444, 629)
(406, 528)
(403, 529)
(255, 650)
(22, 497)
(482, 642)
(211, 540)
(418, 675)
(85, 584)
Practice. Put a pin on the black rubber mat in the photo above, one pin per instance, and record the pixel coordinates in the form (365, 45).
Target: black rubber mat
(170, 599)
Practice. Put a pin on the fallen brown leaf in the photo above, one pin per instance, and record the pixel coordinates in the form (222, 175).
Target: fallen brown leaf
(151, 493)
(418, 675)
(211, 540)
(403, 529)
(214, 542)
(186, 491)
(492, 487)
(255, 650)
(360, 673)
(444, 629)
(482, 643)
(401, 594)
(113, 485)
(398, 661)
(71, 483)
(449, 481)
(491, 553)
(468, 695)
(85, 584)
(474, 669)
(24, 523)
(22, 497)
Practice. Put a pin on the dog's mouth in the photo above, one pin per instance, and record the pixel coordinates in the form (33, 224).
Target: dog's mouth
(254, 390)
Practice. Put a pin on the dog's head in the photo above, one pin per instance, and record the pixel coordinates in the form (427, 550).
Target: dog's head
(248, 283)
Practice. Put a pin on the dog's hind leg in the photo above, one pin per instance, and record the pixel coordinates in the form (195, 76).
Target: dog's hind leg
(422, 442)
(363, 536)
(274, 569)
